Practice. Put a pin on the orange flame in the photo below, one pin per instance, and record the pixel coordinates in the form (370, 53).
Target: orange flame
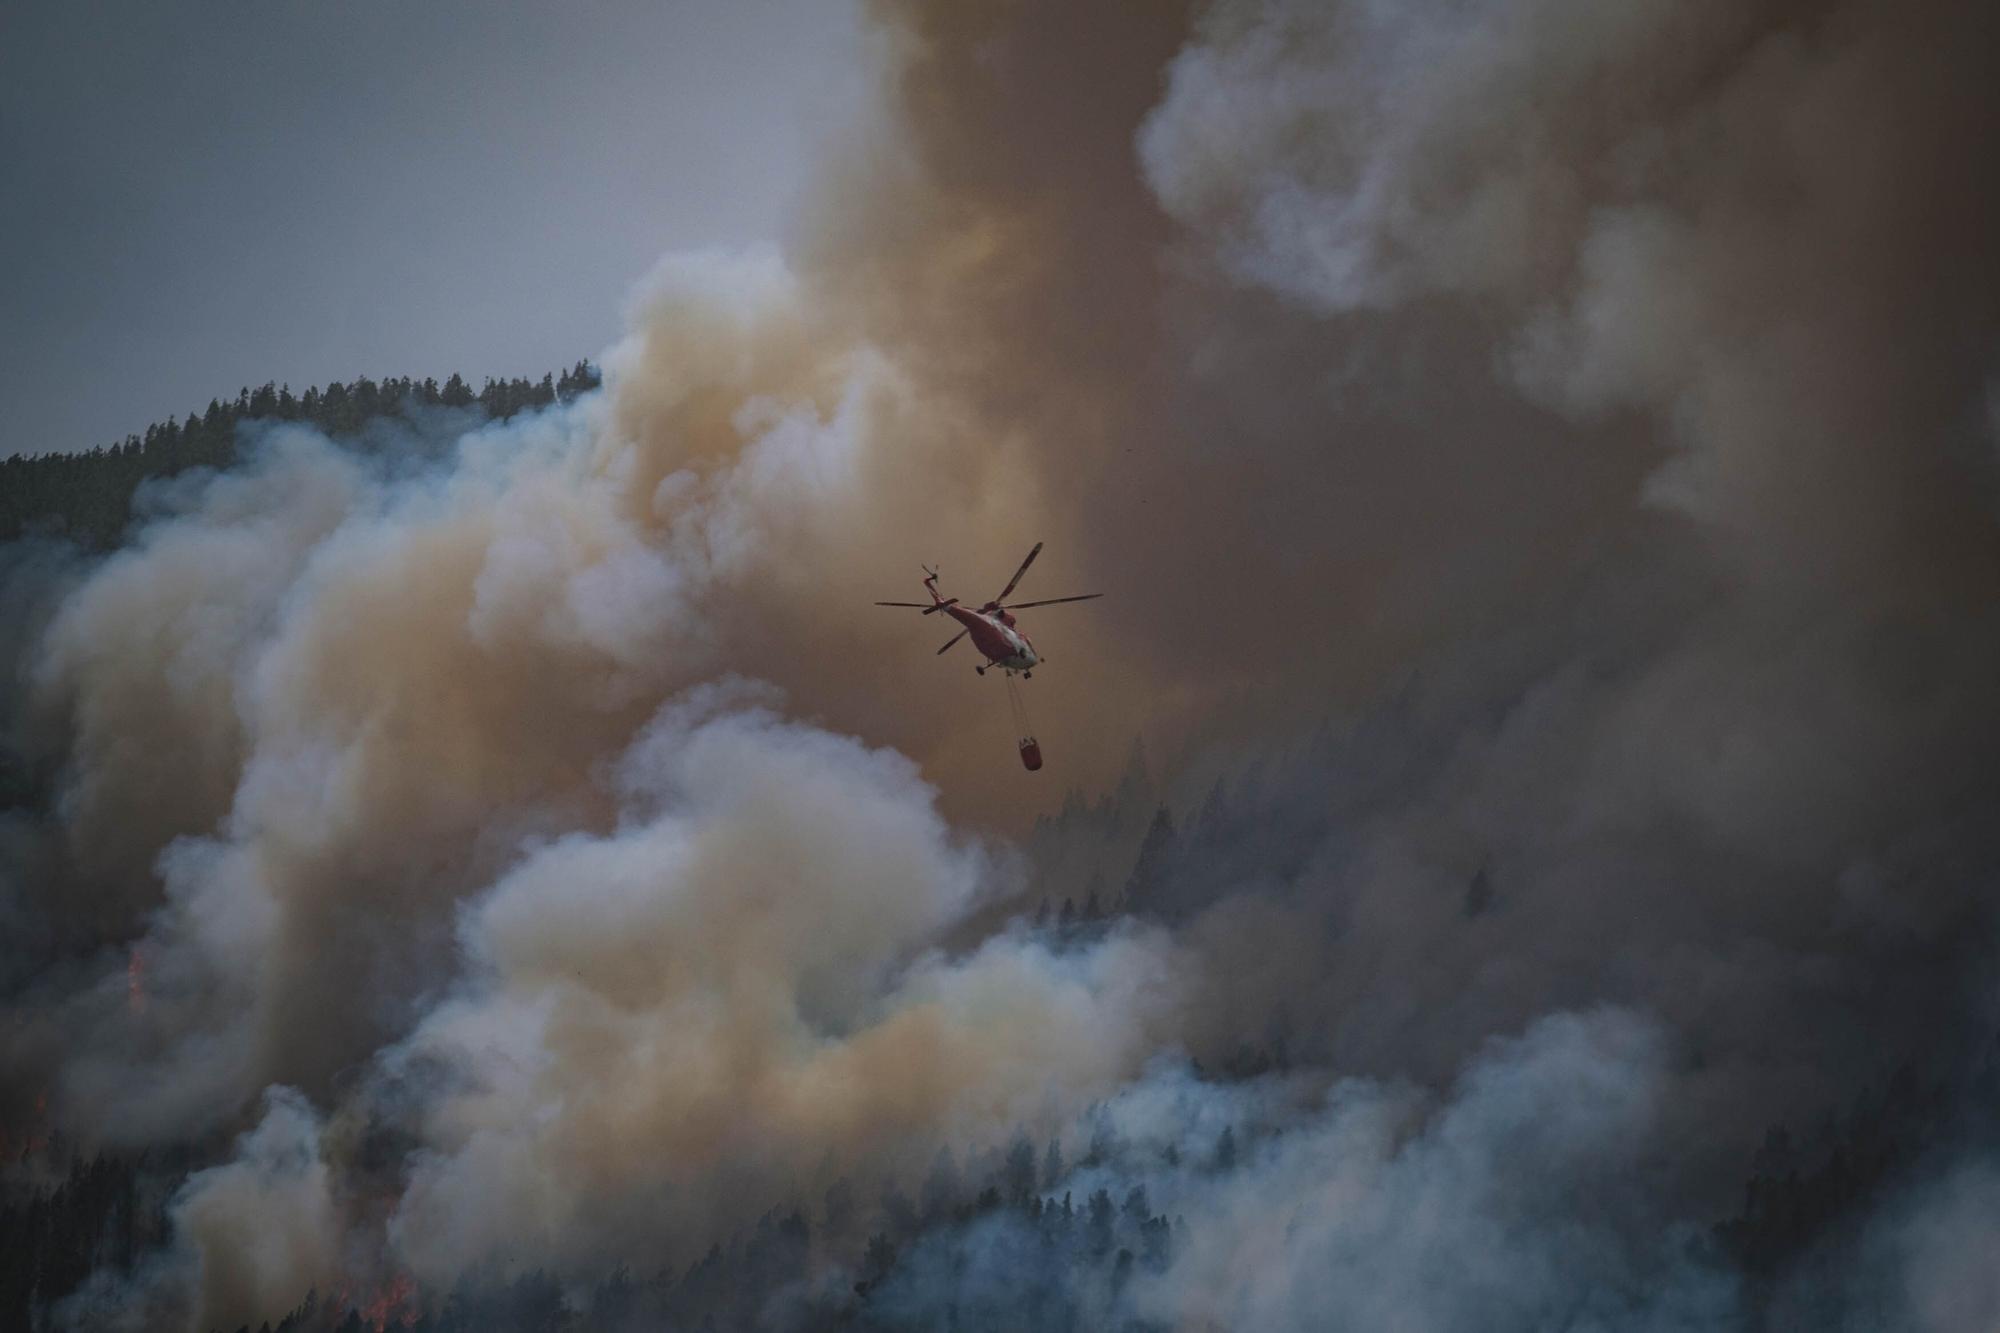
(394, 1304)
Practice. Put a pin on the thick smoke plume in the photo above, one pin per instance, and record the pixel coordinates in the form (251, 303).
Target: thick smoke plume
(1540, 454)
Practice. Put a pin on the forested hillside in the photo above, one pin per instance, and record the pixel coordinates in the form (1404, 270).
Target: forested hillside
(86, 497)
(1042, 1234)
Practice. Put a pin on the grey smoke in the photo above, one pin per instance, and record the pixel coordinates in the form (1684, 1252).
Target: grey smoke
(1588, 412)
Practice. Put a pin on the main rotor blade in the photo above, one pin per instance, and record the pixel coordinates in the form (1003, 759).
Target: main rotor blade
(1052, 601)
(1017, 573)
(939, 606)
(922, 605)
(954, 639)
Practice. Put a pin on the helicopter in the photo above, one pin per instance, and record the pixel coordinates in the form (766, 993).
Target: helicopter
(992, 627)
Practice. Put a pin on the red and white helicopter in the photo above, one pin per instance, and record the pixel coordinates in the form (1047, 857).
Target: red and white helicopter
(992, 626)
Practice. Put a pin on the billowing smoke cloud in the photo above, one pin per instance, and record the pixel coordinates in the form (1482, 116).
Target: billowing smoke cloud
(264, 1218)
(1606, 388)
(1519, 1203)
(733, 989)
(1931, 1244)
(1767, 230)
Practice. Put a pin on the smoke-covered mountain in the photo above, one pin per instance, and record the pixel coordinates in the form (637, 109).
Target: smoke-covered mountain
(1540, 457)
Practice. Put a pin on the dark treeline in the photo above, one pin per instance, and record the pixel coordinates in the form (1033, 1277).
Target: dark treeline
(1014, 1238)
(86, 497)
(1128, 853)
(1812, 1190)
(100, 1218)
(1008, 1245)
(1019, 1238)
(956, 1255)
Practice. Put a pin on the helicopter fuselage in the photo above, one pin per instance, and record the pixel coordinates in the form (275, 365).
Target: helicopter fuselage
(998, 638)
(993, 634)
(991, 626)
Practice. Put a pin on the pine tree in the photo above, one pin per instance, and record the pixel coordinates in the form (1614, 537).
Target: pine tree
(1053, 1169)
(1135, 787)
(942, 1187)
(1018, 1174)
(1147, 889)
(1214, 816)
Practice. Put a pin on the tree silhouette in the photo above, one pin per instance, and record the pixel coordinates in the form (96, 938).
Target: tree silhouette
(86, 497)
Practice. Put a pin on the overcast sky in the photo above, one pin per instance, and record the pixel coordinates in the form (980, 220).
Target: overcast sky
(206, 195)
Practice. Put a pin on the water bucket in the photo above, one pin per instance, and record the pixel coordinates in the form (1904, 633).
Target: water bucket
(1031, 754)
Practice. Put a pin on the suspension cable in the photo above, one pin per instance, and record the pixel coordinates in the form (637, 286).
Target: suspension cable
(1022, 731)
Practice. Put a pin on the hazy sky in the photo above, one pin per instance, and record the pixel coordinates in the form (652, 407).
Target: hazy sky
(202, 196)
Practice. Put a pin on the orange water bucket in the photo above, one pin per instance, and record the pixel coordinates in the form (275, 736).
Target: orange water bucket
(1031, 754)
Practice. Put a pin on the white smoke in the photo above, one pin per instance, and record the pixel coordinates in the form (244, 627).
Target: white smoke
(677, 1022)
(265, 1226)
(1517, 1202)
